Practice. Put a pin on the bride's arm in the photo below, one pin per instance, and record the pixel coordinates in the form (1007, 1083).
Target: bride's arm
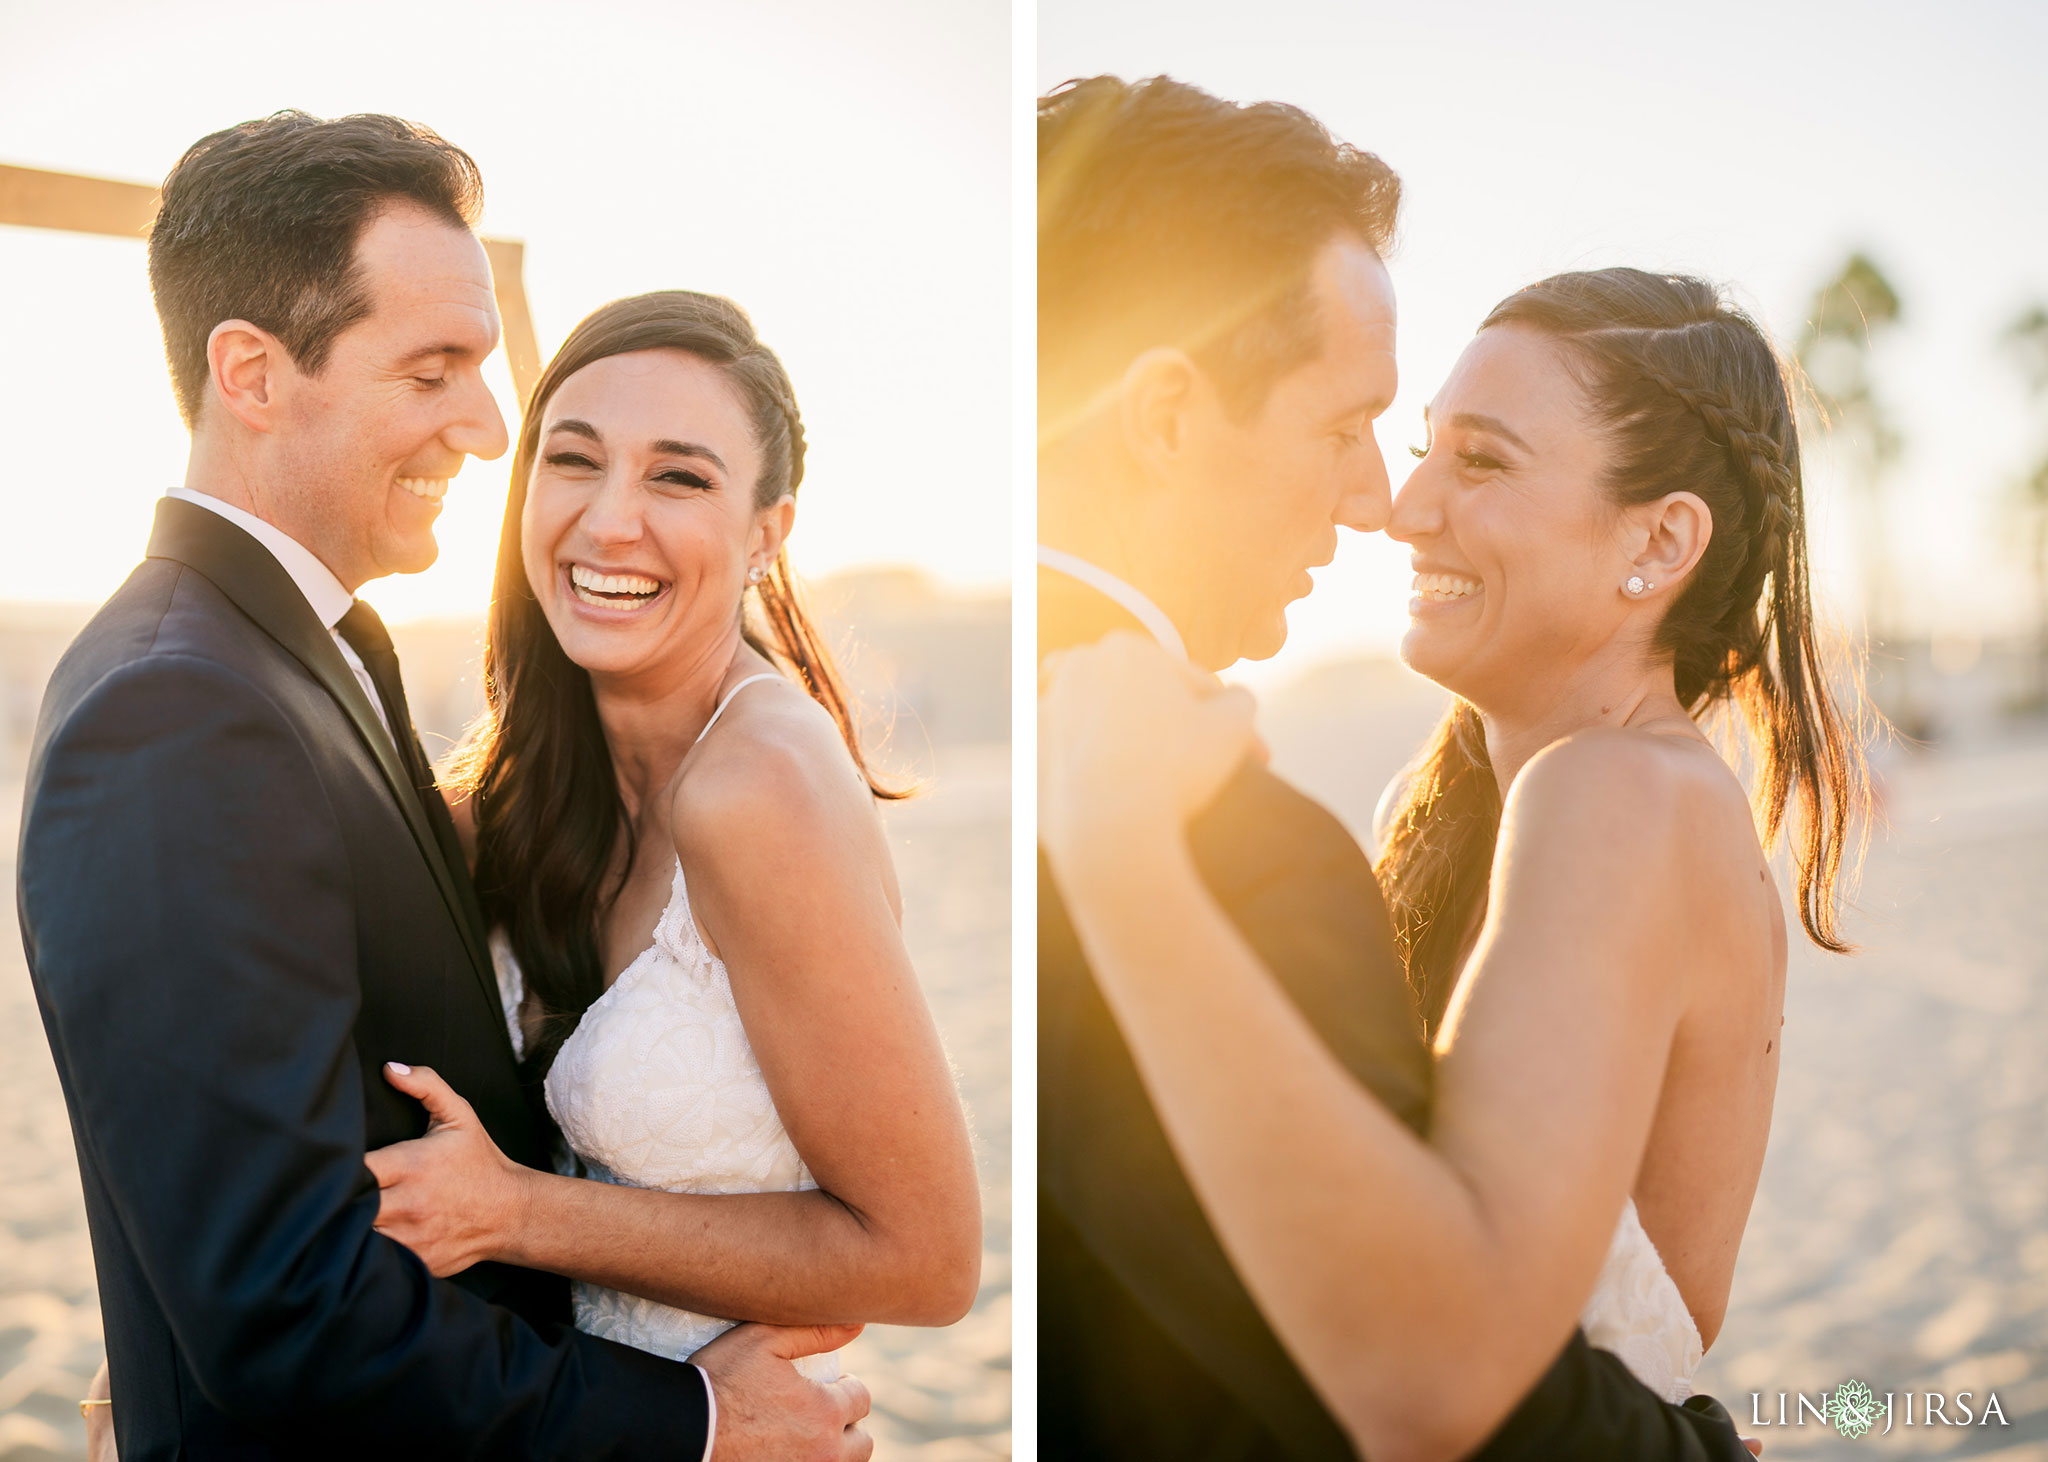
(789, 877)
(1422, 1287)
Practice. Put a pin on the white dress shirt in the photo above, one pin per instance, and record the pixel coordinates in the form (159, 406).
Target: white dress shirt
(316, 581)
(1110, 587)
(330, 601)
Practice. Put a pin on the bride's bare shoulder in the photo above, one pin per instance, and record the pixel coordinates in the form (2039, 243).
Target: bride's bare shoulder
(774, 767)
(771, 813)
(1651, 800)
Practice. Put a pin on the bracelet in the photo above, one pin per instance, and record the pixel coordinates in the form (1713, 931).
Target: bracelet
(86, 1405)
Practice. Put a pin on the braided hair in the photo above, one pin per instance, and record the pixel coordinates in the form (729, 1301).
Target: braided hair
(1695, 400)
(535, 765)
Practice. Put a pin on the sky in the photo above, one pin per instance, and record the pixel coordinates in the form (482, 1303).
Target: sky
(842, 171)
(1753, 143)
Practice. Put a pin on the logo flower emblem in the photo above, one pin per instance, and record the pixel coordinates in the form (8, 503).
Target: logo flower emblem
(1852, 1408)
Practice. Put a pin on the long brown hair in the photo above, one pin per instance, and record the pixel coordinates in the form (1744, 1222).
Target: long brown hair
(535, 765)
(1694, 399)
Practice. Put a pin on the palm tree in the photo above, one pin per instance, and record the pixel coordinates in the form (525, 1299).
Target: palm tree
(1849, 314)
(2026, 339)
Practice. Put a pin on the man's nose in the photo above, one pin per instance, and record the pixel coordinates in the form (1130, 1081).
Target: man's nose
(1366, 501)
(480, 431)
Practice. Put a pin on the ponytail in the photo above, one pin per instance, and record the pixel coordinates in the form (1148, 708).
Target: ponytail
(1437, 855)
(793, 642)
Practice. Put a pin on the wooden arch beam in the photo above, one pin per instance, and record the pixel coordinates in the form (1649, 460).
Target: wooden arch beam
(75, 203)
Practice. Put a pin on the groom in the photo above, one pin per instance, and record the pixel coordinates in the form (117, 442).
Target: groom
(1216, 338)
(241, 894)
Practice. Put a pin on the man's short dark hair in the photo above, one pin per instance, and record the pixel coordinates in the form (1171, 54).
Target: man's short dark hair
(1168, 216)
(259, 222)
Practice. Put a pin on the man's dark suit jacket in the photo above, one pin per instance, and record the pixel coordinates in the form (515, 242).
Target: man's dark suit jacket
(236, 908)
(1149, 1345)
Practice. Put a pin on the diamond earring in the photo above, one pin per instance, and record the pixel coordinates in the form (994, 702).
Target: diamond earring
(1638, 585)
(754, 574)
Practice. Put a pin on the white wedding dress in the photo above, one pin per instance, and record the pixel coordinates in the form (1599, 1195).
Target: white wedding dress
(1637, 1312)
(657, 1087)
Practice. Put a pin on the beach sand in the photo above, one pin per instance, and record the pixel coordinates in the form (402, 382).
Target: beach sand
(940, 1395)
(1900, 1233)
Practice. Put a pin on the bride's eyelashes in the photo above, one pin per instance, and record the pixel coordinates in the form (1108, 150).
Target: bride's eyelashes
(684, 478)
(1472, 457)
(678, 476)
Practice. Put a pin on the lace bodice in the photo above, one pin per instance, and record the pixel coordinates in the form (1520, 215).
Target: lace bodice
(658, 1087)
(1636, 1312)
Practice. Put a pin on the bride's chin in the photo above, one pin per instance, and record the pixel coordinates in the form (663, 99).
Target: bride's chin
(1420, 649)
(596, 654)
(1429, 657)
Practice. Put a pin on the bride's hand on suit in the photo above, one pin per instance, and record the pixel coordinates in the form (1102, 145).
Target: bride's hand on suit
(450, 1196)
(1131, 744)
(455, 1200)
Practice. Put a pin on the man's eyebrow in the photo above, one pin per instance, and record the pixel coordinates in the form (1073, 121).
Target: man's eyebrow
(427, 352)
(1492, 425)
(1372, 406)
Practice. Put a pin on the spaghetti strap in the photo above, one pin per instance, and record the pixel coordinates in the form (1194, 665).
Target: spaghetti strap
(720, 710)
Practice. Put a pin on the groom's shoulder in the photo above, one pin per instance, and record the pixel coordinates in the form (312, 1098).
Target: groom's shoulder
(166, 625)
(162, 608)
(1262, 826)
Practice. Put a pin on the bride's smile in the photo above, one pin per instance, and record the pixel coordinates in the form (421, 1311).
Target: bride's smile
(614, 589)
(1434, 587)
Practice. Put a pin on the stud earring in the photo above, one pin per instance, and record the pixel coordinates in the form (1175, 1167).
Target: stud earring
(1638, 585)
(754, 574)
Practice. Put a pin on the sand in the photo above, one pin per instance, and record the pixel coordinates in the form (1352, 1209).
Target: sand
(1900, 1233)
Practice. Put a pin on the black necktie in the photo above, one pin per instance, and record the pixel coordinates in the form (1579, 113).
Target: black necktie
(367, 636)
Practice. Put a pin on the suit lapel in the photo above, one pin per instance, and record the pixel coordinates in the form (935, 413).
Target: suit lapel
(257, 583)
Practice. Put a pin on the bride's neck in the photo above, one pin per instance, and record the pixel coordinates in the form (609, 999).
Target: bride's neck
(651, 721)
(1611, 695)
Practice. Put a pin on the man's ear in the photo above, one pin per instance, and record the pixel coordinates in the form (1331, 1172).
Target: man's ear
(245, 363)
(1154, 399)
(1672, 532)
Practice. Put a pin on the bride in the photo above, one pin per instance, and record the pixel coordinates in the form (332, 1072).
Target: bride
(694, 913)
(1608, 541)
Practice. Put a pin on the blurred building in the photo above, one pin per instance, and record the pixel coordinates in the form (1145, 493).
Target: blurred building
(930, 668)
